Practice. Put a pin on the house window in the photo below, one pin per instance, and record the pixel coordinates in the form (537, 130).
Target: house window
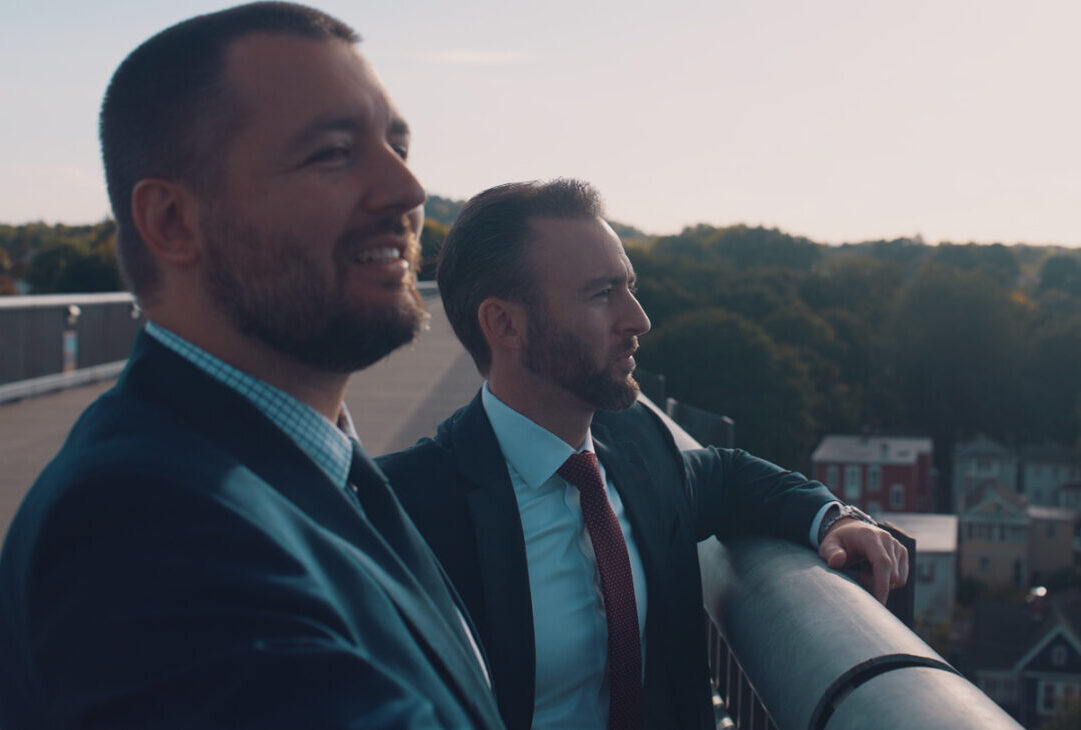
(852, 482)
(874, 507)
(1050, 693)
(1050, 529)
(831, 476)
(897, 496)
(985, 564)
(926, 573)
(874, 478)
(1058, 655)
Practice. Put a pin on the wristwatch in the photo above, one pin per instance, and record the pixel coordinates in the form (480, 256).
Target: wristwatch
(840, 511)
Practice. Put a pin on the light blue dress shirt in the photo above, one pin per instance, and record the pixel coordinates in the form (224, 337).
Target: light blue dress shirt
(569, 626)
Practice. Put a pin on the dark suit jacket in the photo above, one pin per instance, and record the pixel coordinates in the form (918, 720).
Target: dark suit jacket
(458, 491)
(182, 564)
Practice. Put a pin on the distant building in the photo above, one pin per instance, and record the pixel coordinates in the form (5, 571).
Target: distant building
(979, 463)
(1051, 540)
(1045, 469)
(878, 473)
(1069, 496)
(995, 537)
(1027, 657)
(935, 575)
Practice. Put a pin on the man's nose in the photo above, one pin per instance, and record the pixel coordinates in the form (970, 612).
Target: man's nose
(392, 186)
(636, 321)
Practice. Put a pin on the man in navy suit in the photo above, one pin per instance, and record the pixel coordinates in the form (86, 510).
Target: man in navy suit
(211, 548)
(541, 293)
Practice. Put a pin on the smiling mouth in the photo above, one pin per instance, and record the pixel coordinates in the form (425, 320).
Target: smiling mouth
(380, 254)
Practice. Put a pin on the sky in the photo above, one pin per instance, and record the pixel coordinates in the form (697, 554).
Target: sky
(839, 120)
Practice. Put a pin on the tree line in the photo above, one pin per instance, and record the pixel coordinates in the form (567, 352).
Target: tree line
(794, 339)
(791, 338)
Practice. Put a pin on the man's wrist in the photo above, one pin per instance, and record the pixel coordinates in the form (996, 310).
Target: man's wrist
(839, 512)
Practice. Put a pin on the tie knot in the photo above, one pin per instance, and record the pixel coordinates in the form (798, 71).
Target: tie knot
(582, 470)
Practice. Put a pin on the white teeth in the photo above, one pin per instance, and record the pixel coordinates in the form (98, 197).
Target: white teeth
(382, 254)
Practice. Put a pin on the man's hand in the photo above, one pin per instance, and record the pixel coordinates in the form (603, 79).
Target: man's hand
(883, 562)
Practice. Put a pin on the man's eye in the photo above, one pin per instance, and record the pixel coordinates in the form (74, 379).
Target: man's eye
(401, 150)
(603, 293)
(335, 153)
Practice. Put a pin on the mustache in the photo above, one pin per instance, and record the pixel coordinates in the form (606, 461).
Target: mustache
(629, 345)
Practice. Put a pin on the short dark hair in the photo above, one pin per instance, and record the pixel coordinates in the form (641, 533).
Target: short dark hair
(483, 254)
(167, 112)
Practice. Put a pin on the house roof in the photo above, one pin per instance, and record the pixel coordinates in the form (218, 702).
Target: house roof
(933, 533)
(1062, 514)
(1050, 454)
(858, 449)
(982, 446)
(991, 498)
(1001, 633)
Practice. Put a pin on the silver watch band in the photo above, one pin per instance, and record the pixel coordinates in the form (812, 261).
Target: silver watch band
(838, 512)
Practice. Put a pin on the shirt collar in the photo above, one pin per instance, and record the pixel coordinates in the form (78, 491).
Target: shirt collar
(532, 450)
(325, 443)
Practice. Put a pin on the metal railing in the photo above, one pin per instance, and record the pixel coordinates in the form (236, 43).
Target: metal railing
(48, 335)
(54, 341)
(797, 646)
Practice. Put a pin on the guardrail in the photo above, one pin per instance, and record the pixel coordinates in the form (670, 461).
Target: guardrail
(54, 341)
(797, 646)
(61, 333)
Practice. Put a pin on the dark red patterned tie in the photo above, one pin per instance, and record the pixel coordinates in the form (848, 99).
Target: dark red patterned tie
(624, 647)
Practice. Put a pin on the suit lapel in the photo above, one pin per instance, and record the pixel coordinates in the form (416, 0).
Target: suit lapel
(502, 563)
(232, 423)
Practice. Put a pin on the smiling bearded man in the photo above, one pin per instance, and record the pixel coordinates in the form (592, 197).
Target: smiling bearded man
(212, 548)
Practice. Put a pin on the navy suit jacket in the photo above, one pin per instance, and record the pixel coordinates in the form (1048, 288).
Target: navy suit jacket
(457, 490)
(181, 563)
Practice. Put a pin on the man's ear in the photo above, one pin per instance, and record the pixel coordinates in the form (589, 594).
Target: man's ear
(503, 323)
(166, 216)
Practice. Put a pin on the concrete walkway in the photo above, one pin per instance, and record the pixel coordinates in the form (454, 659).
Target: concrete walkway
(394, 402)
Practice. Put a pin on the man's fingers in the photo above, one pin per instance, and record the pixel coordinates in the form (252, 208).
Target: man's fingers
(904, 564)
(881, 570)
(837, 557)
(884, 560)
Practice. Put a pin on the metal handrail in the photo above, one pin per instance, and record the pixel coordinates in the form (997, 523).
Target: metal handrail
(797, 646)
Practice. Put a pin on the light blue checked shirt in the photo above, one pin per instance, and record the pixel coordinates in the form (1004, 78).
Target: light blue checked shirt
(325, 443)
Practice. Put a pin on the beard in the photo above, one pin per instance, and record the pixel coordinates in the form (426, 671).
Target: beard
(564, 359)
(271, 288)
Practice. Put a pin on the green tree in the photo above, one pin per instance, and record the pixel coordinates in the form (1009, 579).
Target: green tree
(954, 346)
(1062, 273)
(431, 242)
(724, 363)
(1053, 382)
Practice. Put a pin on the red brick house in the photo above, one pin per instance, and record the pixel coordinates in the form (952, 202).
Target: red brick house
(878, 473)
